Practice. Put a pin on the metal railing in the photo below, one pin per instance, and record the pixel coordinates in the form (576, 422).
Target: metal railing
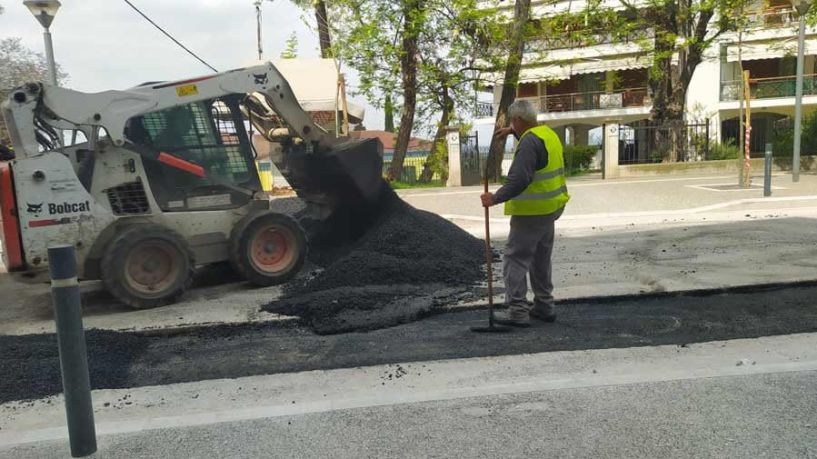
(412, 169)
(769, 88)
(774, 17)
(582, 38)
(484, 109)
(600, 100)
(646, 143)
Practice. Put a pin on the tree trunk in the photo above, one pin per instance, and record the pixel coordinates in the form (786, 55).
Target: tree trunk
(439, 137)
(408, 67)
(323, 29)
(388, 110)
(493, 167)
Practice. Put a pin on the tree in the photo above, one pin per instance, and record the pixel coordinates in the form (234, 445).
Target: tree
(388, 109)
(291, 50)
(19, 65)
(322, 24)
(512, 68)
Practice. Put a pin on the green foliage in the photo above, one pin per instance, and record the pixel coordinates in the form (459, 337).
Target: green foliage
(400, 185)
(783, 143)
(438, 160)
(578, 158)
(723, 150)
(291, 50)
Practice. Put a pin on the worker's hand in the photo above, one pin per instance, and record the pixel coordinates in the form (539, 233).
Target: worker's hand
(503, 132)
(487, 199)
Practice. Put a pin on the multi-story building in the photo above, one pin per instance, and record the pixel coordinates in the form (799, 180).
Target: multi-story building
(578, 87)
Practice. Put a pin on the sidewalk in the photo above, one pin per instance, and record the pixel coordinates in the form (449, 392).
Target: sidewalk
(617, 237)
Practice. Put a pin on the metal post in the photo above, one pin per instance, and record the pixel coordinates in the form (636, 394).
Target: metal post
(76, 385)
(258, 30)
(798, 99)
(767, 171)
(49, 56)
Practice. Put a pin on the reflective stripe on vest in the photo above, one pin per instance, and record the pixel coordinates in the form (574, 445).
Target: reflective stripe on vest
(547, 193)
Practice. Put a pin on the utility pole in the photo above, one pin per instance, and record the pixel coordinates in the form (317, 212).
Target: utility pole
(258, 28)
(802, 7)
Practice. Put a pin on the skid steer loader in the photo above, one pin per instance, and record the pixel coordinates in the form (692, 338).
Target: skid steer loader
(151, 182)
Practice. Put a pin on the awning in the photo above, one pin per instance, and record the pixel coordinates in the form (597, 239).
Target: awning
(769, 50)
(565, 70)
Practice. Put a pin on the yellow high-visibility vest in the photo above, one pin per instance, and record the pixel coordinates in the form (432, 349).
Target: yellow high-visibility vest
(547, 193)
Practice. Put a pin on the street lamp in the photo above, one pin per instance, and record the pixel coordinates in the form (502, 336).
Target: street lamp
(802, 7)
(44, 11)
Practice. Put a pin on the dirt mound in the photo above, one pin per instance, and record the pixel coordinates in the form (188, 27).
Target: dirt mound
(384, 264)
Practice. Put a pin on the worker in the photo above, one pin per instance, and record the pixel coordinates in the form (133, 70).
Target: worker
(535, 195)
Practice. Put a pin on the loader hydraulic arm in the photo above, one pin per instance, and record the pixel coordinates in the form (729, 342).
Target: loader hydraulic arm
(61, 108)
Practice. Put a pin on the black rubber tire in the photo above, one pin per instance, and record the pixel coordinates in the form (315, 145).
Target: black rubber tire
(115, 275)
(245, 232)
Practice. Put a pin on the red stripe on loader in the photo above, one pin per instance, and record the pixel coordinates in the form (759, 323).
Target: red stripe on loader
(41, 223)
(8, 214)
(179, 163)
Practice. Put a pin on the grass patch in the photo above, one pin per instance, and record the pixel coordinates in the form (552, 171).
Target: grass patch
(399, 185)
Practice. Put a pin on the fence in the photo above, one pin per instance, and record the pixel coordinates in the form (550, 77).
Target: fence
(412, 168)
(668, 142)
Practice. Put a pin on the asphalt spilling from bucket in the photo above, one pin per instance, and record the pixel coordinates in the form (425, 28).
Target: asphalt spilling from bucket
(383, 264)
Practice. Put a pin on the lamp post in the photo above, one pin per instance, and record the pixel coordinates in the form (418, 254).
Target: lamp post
(802, 7)
(257, 4)
(44, 11)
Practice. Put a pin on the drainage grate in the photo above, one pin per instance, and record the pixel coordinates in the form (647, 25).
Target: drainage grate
(128, 199)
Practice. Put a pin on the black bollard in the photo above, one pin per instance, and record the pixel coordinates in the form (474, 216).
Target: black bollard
(62, 263)
(767, 172)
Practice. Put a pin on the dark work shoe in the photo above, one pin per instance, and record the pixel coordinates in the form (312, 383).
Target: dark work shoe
(544, 316)
(512, 318)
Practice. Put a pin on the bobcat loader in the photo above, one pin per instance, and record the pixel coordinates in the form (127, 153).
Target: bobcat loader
(151, 182)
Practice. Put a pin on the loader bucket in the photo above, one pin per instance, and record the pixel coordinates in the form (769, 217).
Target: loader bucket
(348, 174)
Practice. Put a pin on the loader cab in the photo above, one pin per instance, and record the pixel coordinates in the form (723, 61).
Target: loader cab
(199, 155)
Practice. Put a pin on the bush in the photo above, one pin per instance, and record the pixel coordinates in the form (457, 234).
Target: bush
(724, 150)
(783, 142)
(578, 158)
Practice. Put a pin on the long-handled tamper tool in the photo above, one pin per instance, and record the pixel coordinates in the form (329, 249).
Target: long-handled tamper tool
(492, 327)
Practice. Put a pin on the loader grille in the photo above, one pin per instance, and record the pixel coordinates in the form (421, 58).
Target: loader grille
(128, 199)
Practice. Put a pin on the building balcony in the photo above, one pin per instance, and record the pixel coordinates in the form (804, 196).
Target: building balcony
(484, 110)
(772, 17)
(557, 103)
(769, 88)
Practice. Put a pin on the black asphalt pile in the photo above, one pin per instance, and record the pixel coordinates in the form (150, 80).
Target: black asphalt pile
(383, 265)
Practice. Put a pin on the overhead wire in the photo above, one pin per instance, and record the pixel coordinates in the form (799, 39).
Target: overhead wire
(170, 36)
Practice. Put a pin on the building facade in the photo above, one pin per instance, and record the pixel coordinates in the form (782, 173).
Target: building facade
(579, 87)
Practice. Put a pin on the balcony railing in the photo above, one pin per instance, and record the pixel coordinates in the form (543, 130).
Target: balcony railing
(781, 16)
(585, 38)
(769, 88)
(624, 98)
(484, 110)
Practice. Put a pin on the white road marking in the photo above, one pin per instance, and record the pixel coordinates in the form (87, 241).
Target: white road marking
(710, 187)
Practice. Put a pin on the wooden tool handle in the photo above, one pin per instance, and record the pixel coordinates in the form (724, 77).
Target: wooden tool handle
(488, 254)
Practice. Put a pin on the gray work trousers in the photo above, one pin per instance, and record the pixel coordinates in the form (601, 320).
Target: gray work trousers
(529, 250)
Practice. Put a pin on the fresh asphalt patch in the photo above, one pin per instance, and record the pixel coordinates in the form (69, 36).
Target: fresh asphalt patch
(30, 365)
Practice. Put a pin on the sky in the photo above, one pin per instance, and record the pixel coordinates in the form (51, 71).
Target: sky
(104, 44)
